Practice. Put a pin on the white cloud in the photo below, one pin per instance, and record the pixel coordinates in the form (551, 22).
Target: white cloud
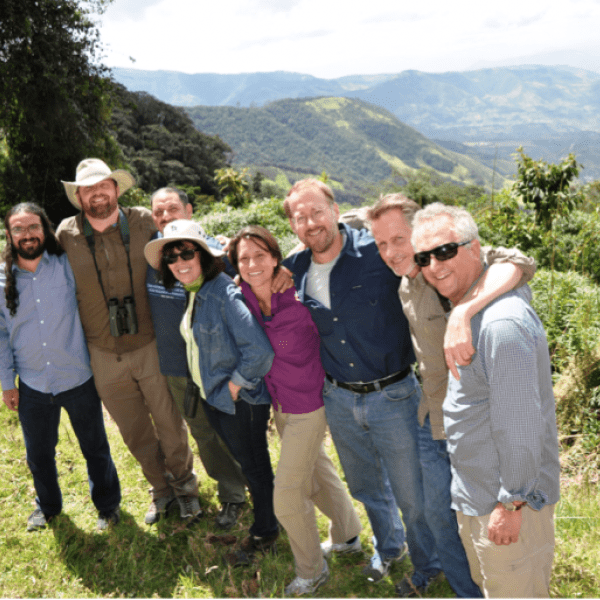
(331, 38)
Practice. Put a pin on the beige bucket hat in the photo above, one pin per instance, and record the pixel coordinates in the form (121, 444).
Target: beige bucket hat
(180, 230)
(92, 170)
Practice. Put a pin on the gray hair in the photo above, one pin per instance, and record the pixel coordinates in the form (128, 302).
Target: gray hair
(183, 197)
(463, 224)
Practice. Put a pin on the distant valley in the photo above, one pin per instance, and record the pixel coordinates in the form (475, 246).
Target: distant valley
(482, 115)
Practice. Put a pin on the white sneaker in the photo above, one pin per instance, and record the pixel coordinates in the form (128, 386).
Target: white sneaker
(344, 548)
(302, 587)
(377, 568)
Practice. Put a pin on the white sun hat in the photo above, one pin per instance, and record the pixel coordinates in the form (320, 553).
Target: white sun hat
(180, 230)
(93, 170)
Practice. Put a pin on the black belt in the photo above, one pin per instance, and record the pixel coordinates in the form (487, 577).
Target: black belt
(370, 386)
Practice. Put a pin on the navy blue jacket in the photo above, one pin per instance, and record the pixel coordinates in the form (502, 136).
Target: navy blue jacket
(365, 335)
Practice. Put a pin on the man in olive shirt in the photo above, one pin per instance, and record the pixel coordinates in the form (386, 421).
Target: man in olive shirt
(105, 246)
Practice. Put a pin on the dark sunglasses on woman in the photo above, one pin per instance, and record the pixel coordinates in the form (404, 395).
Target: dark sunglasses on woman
(188, 254)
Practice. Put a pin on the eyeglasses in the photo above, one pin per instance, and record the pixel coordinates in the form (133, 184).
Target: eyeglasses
(35, 228)
(443, 252)
(188, 254)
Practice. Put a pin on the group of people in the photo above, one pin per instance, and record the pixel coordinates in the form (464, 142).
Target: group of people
(461, 475)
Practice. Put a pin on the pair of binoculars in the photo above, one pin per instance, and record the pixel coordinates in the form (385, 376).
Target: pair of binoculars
(122, 316)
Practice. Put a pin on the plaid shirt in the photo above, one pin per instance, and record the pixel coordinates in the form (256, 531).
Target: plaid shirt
(500, 418)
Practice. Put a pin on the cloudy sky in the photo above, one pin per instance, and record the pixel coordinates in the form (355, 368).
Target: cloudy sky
(332, 38)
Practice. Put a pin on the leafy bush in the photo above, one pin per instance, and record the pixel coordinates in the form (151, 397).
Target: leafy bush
(269, 213)
(569, 307)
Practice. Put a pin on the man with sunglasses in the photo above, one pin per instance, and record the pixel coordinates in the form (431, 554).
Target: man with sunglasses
(391, 224)
(105, 245)
(167, 307)
(499, 417)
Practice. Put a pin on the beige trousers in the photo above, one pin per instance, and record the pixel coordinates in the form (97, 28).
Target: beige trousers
(306, 478)
(137, 398)
(519, 570)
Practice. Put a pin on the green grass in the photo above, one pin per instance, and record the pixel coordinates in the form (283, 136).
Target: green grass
(71, 559)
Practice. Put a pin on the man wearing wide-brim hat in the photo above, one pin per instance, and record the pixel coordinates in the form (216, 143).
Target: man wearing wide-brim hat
(105, 245)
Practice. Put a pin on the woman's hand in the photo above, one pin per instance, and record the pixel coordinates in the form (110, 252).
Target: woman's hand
(234, 390)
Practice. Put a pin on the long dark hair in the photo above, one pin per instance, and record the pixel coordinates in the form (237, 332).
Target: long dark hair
(51, 245)
(211, 265)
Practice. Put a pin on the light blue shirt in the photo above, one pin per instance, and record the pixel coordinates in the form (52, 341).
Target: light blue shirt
(43, 342)
(500, 416)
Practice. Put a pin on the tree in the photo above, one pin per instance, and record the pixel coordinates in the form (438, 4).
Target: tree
(54, 106)
(547, 187)
(234, 186)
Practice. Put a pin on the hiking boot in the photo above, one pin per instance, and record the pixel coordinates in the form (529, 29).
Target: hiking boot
(38, 520)
(266, 543)
(157, 509)
(189, 507)
(378, 568)
(111, 517)
(303, 587)
(407, 589)
(228, 515)
(329, 547)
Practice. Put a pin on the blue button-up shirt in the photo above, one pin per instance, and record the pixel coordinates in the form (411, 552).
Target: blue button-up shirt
(499, 417)
(44, 342)
(365, 335)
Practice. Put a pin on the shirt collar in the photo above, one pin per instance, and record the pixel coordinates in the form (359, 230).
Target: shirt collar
(44, 260)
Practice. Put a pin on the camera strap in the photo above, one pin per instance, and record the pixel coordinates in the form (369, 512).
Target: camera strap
(125, 237)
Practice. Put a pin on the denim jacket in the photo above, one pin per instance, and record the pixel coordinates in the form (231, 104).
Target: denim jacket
(232, 345)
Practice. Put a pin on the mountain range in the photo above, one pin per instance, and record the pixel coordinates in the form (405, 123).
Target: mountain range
(483, 114)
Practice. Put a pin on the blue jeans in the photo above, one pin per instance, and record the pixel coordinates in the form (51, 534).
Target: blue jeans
(441, 518)
(375, 435)
(245, 434)
(40, 417)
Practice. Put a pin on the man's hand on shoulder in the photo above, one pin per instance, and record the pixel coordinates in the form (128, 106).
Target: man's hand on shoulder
(458, 343)
(504, 526)
(282, 281)
(11, 398)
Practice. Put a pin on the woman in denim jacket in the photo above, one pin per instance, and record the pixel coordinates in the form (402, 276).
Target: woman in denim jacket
(228, 355)
(305, 474)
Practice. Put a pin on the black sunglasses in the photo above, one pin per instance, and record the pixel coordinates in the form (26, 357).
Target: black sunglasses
(443, 252)
(188, 254)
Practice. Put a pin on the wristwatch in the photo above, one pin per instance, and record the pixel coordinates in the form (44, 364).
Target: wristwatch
(510, 507)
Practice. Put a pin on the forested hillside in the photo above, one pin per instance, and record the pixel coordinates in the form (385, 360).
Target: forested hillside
(349, 139)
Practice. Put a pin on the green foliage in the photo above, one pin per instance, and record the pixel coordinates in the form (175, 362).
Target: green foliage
(224, 220)
(353, 141)
(54, 109)
(547, 187)
(426, 186)
(162, 145)
(569, 306)
(234, 186)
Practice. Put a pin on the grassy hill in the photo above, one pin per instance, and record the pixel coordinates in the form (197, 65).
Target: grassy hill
(355, 142)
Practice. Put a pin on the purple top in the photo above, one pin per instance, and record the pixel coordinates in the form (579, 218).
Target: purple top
(296, 378)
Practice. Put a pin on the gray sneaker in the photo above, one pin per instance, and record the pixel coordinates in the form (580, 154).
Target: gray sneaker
(111, 517)
(228, 515)
(378, 568)
(303, 587)
(38, 520)
(157, 509)
(189, 507)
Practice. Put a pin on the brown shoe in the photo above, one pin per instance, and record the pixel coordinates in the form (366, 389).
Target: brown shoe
(254, 543)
